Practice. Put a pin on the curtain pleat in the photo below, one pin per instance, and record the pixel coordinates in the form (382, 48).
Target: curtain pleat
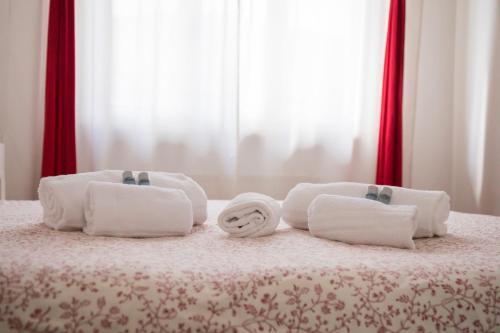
(59, 147)
(390, 145)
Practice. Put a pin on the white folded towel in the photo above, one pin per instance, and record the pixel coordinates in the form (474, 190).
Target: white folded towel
(120, 210)
(193, 190)
(250, 215)
(362, 221)
(433, 209)
(433, 206)
(62, 196)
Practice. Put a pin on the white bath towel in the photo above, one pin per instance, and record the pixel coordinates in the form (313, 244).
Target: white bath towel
(433, 206)
(62, 196)
(113, 209)
(193, 190)
(250, 215)
(362, 221)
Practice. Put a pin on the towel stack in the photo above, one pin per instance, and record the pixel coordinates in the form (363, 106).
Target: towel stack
(338, 211)
(99, 204)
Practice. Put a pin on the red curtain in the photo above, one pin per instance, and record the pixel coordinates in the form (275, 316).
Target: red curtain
(59, 148)
(390, 141)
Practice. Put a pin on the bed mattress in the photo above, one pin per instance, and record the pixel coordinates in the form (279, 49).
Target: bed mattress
(54, 281)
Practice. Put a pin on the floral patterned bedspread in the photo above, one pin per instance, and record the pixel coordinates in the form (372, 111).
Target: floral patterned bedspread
(54, 281)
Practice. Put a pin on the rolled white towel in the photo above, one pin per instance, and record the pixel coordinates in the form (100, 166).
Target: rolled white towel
(62, 196)
(300, 197)
(120, 210)
(362, 221)
(433, 209)
(250, 215)
(193, 190)
(433, 206)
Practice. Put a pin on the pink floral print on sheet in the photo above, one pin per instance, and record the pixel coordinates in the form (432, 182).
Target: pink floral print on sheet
(206, 282)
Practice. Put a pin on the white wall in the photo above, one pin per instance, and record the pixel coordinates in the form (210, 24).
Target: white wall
(4, 41)
(22, 65)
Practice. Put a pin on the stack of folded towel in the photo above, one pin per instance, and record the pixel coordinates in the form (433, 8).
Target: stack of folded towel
(301, 210)
(100, 204)
(250, 215)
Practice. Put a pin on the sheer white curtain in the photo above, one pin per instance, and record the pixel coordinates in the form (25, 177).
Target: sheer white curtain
(476, 139)
(452, 108)
(157, 85)
(241, 95)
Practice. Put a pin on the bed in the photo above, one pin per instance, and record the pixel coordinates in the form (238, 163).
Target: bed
(54, 281)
